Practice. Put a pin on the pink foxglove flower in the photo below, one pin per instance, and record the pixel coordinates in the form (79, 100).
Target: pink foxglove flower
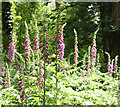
(11, 51)
(76, 49)
(36, 43)
(53, 38)
(3, 68)
(27, 45)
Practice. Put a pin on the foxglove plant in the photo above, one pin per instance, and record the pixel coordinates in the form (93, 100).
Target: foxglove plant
(27, 45)
(93, 52)
(7, 81)
(93, 63)
(61, 45)
(93, 59)
(3, 68)
(11, 49)
(76, 49)
(98, 63)
(44, 46)
(115, 65)
(47, 48)
(22, 95)
(40, 77)
(21, 83)
(112, 65)
(35, 43)
(109, 61)
(27, 42)
(1, 80)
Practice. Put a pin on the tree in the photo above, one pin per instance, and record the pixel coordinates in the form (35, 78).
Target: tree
(110, 24)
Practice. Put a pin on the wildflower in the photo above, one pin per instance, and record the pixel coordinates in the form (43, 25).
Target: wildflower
(22, 96)
(27, 46)
(3, 68)
(11, 51)
(61, 45)
(17, 67)
(35, 43)
(53, 38)
(115, 67)
(93, 55)
(1, 81)
(59, 66)
(76, 49)
(26, 73)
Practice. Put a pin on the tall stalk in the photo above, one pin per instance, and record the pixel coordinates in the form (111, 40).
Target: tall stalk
(44, 68)
(56, 61)
(44, 82)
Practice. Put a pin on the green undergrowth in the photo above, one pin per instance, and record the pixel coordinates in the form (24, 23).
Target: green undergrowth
(96, 89)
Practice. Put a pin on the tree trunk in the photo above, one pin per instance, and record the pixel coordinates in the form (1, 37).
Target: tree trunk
(111, 38)
(5, 25)
(116, 35)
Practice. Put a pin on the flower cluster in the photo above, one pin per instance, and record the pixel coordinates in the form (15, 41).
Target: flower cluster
(47, 48)
(7, 81)
(44, 46)
(61, 45)
(40, 77)
(36, 43)
(1, 80)
(20, 85)
(112, 65)
(76, 49)
(93, 53)
(93, 63)
(27, 45)
(22, 95)
(98, 63)
(11, 50)
(3, 68)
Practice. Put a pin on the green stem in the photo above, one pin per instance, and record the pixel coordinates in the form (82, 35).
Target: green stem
(44, 84)
(56, 78)
(44, 69)
(56, 63)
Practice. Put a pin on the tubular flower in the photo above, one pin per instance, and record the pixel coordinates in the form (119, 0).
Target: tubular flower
(61, 45)
(27, 45)
(7, 81)
(11, 50)
(36, 43)
(93, 55)
(76, 49)
(93, 52)
(3, 68)
(45, 47)
(20, 83)
(22, 95)
(40, 77)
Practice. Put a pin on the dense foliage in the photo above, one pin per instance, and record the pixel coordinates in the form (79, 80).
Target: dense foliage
(53, 58)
